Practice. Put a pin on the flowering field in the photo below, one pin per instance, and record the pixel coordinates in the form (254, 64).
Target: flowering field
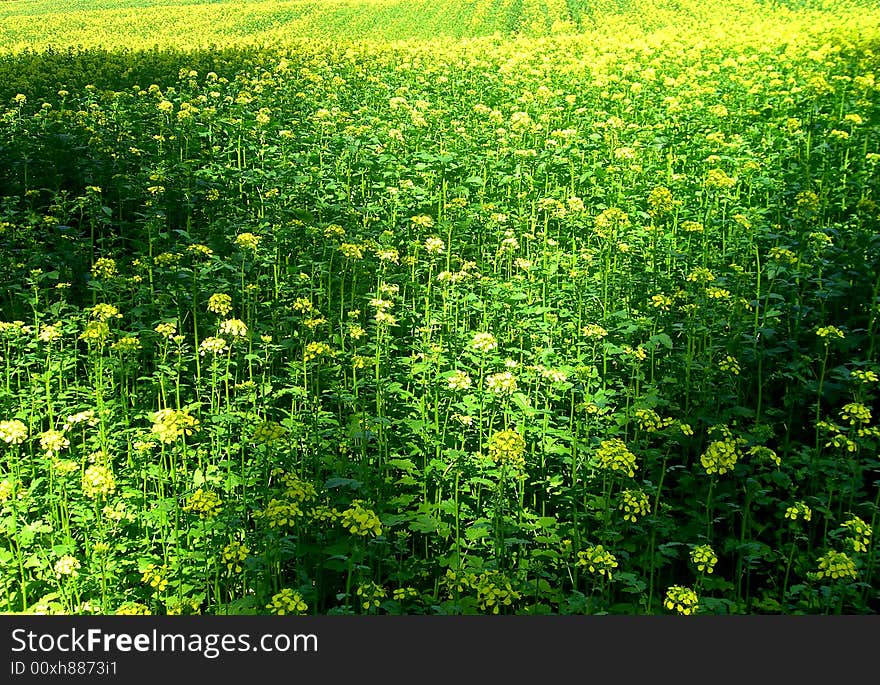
(492, 306)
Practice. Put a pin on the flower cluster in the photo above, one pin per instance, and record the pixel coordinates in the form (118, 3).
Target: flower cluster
(859, 534)
(799, 510)
(7, 489)
(213, 345)
(681, 599)
(650, 421)
(598, 560)
(721, 455)
(204, 503)
(634, 504)
(219, 303)
(233, 556)
(66, 566)
(704, 558)
(171, 424)
(503, 383)
(371, 595)
(13, 432)
(248, 241)
(593, 331)
(235, 328)
(613, 455)
(295, 489)
(494, 592)
(404, 594)
(155, 576)
(287, 602)
(508, 447)
(98, 481)
(458, 380)
(316, 349)
(660, 202)
(826, 332)
(52, 442)
(855, 413)
(132, 609)
(360, 520)
(763, 453)
(836, 566)
(730, 365)
(484, 342)
(95, 333)
(278, 513)
(104, 267)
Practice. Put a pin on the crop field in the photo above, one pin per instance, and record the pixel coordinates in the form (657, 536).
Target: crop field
(451, 307)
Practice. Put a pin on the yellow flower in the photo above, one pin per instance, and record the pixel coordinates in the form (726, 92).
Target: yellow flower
(660, 202)
(248, 241)
(610, 220)
(233, 556)
(593, 332)
(634, 504)
(799, 509)
(66, 566)
(361, 521)
(287, 602)
(268, 431)
(219, 303)
(104, 268)
(371, 595)
(234, 327)
(860, 534)
(13, 432)
(166, 329)
(105, 312)
(484, 342)
(434, 245)
(7, 490)
(95, 332)
(132, 609)
(98, 481)
(729, 364)
(856, 413)
(316, 349)
(213, 345)
(503, 383)
(155, 576)
(663, 302)
(829, 332)
(459, 380)
(681, 599)
(704, 558)
(721, 455)
(508, 447)
(52, 442)
(716, 179)
(351, 251)
(205, 503)
(127, 345)
(650, 421)
(597, 560)
(170, 424)
(279, 513)
(422, 221)
(613, 455)
(836, 565)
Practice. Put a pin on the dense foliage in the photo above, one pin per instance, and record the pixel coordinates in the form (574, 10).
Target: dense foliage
(575, 318)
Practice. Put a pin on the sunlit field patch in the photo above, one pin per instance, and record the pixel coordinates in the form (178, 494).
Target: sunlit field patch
(526, 308)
